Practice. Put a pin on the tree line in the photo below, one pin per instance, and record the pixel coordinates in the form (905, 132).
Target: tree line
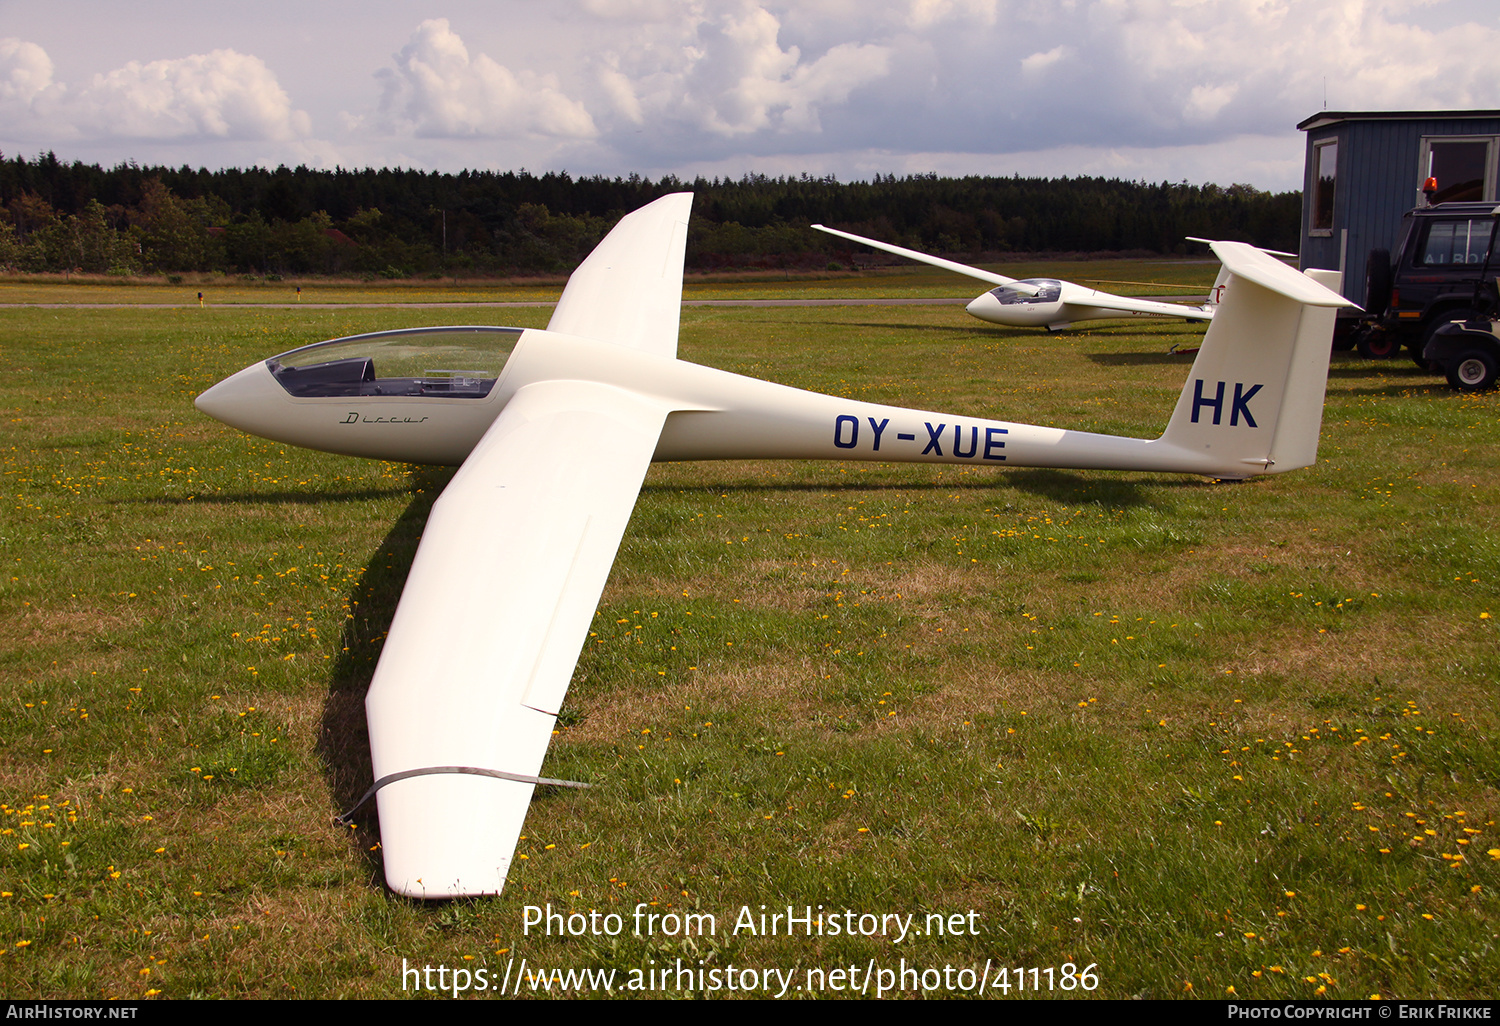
(395, 222)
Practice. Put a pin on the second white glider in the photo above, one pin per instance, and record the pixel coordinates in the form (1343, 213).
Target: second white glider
(1049, 303)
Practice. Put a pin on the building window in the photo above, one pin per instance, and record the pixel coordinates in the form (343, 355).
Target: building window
(1325, 176)
(1463, 167)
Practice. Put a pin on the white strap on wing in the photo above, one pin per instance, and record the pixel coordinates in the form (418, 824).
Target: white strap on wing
(629, 289)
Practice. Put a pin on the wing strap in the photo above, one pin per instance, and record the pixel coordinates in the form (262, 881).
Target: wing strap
(347, 818)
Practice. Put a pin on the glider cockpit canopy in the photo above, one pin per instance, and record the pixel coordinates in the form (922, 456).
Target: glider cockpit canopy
(1042, 290)
(447, 363)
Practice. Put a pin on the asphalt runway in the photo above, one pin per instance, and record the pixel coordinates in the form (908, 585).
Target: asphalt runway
(459, 306)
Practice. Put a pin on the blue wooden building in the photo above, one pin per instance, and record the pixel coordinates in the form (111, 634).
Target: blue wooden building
(1365, 169)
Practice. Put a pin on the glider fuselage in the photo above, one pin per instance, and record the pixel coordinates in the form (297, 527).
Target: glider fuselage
(710, 414)
(1046, 309)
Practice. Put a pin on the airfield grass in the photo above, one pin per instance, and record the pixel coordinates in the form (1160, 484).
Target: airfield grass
(1206, 739)
(907, 282)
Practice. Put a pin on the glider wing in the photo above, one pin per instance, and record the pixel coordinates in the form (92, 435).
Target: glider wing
(482, 648)
(508, 576)
(947, 265)
(629, 289)
(1080, 296)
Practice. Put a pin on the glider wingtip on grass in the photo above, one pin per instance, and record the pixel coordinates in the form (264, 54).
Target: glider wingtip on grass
(554, 431)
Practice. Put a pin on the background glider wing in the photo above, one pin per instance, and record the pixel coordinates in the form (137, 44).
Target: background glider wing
(1080, 296)
(629, 289)
(482, 648)
(947, 265)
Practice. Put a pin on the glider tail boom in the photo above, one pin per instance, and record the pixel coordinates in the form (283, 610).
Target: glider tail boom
(1253, 402)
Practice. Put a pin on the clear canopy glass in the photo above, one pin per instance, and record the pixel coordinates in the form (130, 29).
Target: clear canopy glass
(450, 362)
(1048, 291)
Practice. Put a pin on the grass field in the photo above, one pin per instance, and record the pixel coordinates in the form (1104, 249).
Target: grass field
(1204, 739)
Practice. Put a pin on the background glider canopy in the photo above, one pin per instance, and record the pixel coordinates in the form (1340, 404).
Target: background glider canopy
(1047, 290)
(454, 363)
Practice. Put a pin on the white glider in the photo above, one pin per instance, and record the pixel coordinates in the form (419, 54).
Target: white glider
(555, 430)
(1046, 302)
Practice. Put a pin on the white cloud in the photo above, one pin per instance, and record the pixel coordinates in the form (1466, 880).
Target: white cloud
(1230, 62)
(665, 85)
(28, 95)
(631, 10)
(619, 91)
(437, 90)
(1206, 101)
(923, 14)
(220, 95)
(720, 68)
(25, 71)
(1039, 62)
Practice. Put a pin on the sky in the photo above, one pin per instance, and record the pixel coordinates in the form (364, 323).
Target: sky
(1175, 90)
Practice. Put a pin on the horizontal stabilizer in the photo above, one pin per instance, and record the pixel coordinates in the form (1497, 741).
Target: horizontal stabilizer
(1258, 266)
(1273, 252)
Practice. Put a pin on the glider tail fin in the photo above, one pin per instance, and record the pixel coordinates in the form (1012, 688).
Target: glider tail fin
(1253, 401)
